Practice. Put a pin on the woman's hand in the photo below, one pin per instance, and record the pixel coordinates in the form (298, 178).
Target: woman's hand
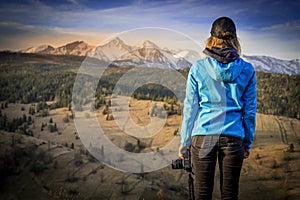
(181, 151)
(246, 153)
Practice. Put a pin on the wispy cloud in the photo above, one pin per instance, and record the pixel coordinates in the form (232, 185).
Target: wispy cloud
(271, 20)
(18, 36)
(285, 27)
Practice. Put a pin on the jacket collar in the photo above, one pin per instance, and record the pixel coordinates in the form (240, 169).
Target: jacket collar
(224, 55)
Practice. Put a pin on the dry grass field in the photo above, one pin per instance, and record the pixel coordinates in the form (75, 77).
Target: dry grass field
(55, 165)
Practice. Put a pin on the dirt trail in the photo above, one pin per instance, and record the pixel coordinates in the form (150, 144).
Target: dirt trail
(282, 130)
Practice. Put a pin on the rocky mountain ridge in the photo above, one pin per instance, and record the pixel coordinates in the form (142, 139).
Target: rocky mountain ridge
(117, 52)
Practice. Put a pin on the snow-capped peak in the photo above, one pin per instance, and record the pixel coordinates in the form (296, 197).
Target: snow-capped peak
(117, 42)
(149, 44)
(39, 49)
(78, 48)
(112, 50)
(189, 55)
(150, 54)
(273, 65)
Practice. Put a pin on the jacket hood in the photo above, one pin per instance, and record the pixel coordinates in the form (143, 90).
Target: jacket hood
(223, 72)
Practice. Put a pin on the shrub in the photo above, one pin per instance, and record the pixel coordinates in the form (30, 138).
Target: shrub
(257, 156)
(175, 132)
(66, 119)
(291, 148)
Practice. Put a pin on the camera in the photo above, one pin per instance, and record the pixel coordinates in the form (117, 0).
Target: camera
(184, 163)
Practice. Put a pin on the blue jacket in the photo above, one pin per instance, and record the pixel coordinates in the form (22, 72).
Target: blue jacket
(220, 99)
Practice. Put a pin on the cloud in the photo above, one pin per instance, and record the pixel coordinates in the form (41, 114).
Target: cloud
(269, 44)
(75, 2)
(36, 21)
(287, 27)
(14, 36)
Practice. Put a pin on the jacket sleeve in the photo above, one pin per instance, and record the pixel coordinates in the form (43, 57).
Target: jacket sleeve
(249, 111)
(190, 109)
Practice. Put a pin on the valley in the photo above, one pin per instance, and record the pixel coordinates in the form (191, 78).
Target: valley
(43, 157)
(58, 166)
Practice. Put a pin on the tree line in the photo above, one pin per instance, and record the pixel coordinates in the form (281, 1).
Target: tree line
(278, 94)
(51, 78)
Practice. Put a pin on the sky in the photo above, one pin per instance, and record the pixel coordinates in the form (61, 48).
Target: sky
(264, 27)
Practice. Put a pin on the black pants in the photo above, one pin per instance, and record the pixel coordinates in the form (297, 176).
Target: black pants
(205, 151)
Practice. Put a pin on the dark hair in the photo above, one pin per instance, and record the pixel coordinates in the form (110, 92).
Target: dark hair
(223, 35)
(223, 28)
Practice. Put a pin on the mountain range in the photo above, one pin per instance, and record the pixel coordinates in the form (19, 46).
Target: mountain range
(118, 53)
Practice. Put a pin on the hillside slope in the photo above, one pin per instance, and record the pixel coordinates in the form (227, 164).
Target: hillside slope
(49, 168)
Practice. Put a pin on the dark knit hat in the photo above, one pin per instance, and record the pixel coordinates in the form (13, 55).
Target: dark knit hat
(223, 25)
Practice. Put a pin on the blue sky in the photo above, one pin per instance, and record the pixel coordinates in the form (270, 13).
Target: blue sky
(265, 27)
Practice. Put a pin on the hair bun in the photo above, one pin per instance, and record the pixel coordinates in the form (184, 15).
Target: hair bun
(223, 28)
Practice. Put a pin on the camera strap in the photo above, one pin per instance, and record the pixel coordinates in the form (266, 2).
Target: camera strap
(191, 187)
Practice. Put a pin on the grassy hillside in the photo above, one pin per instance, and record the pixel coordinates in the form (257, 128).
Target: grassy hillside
(55, 165)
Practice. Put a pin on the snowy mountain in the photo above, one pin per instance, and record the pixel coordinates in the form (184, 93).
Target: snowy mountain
(42, 49)
(77, 48)
(117, 52)
(274, 65)
(189, 55)
(111, 50)
(148, 54)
